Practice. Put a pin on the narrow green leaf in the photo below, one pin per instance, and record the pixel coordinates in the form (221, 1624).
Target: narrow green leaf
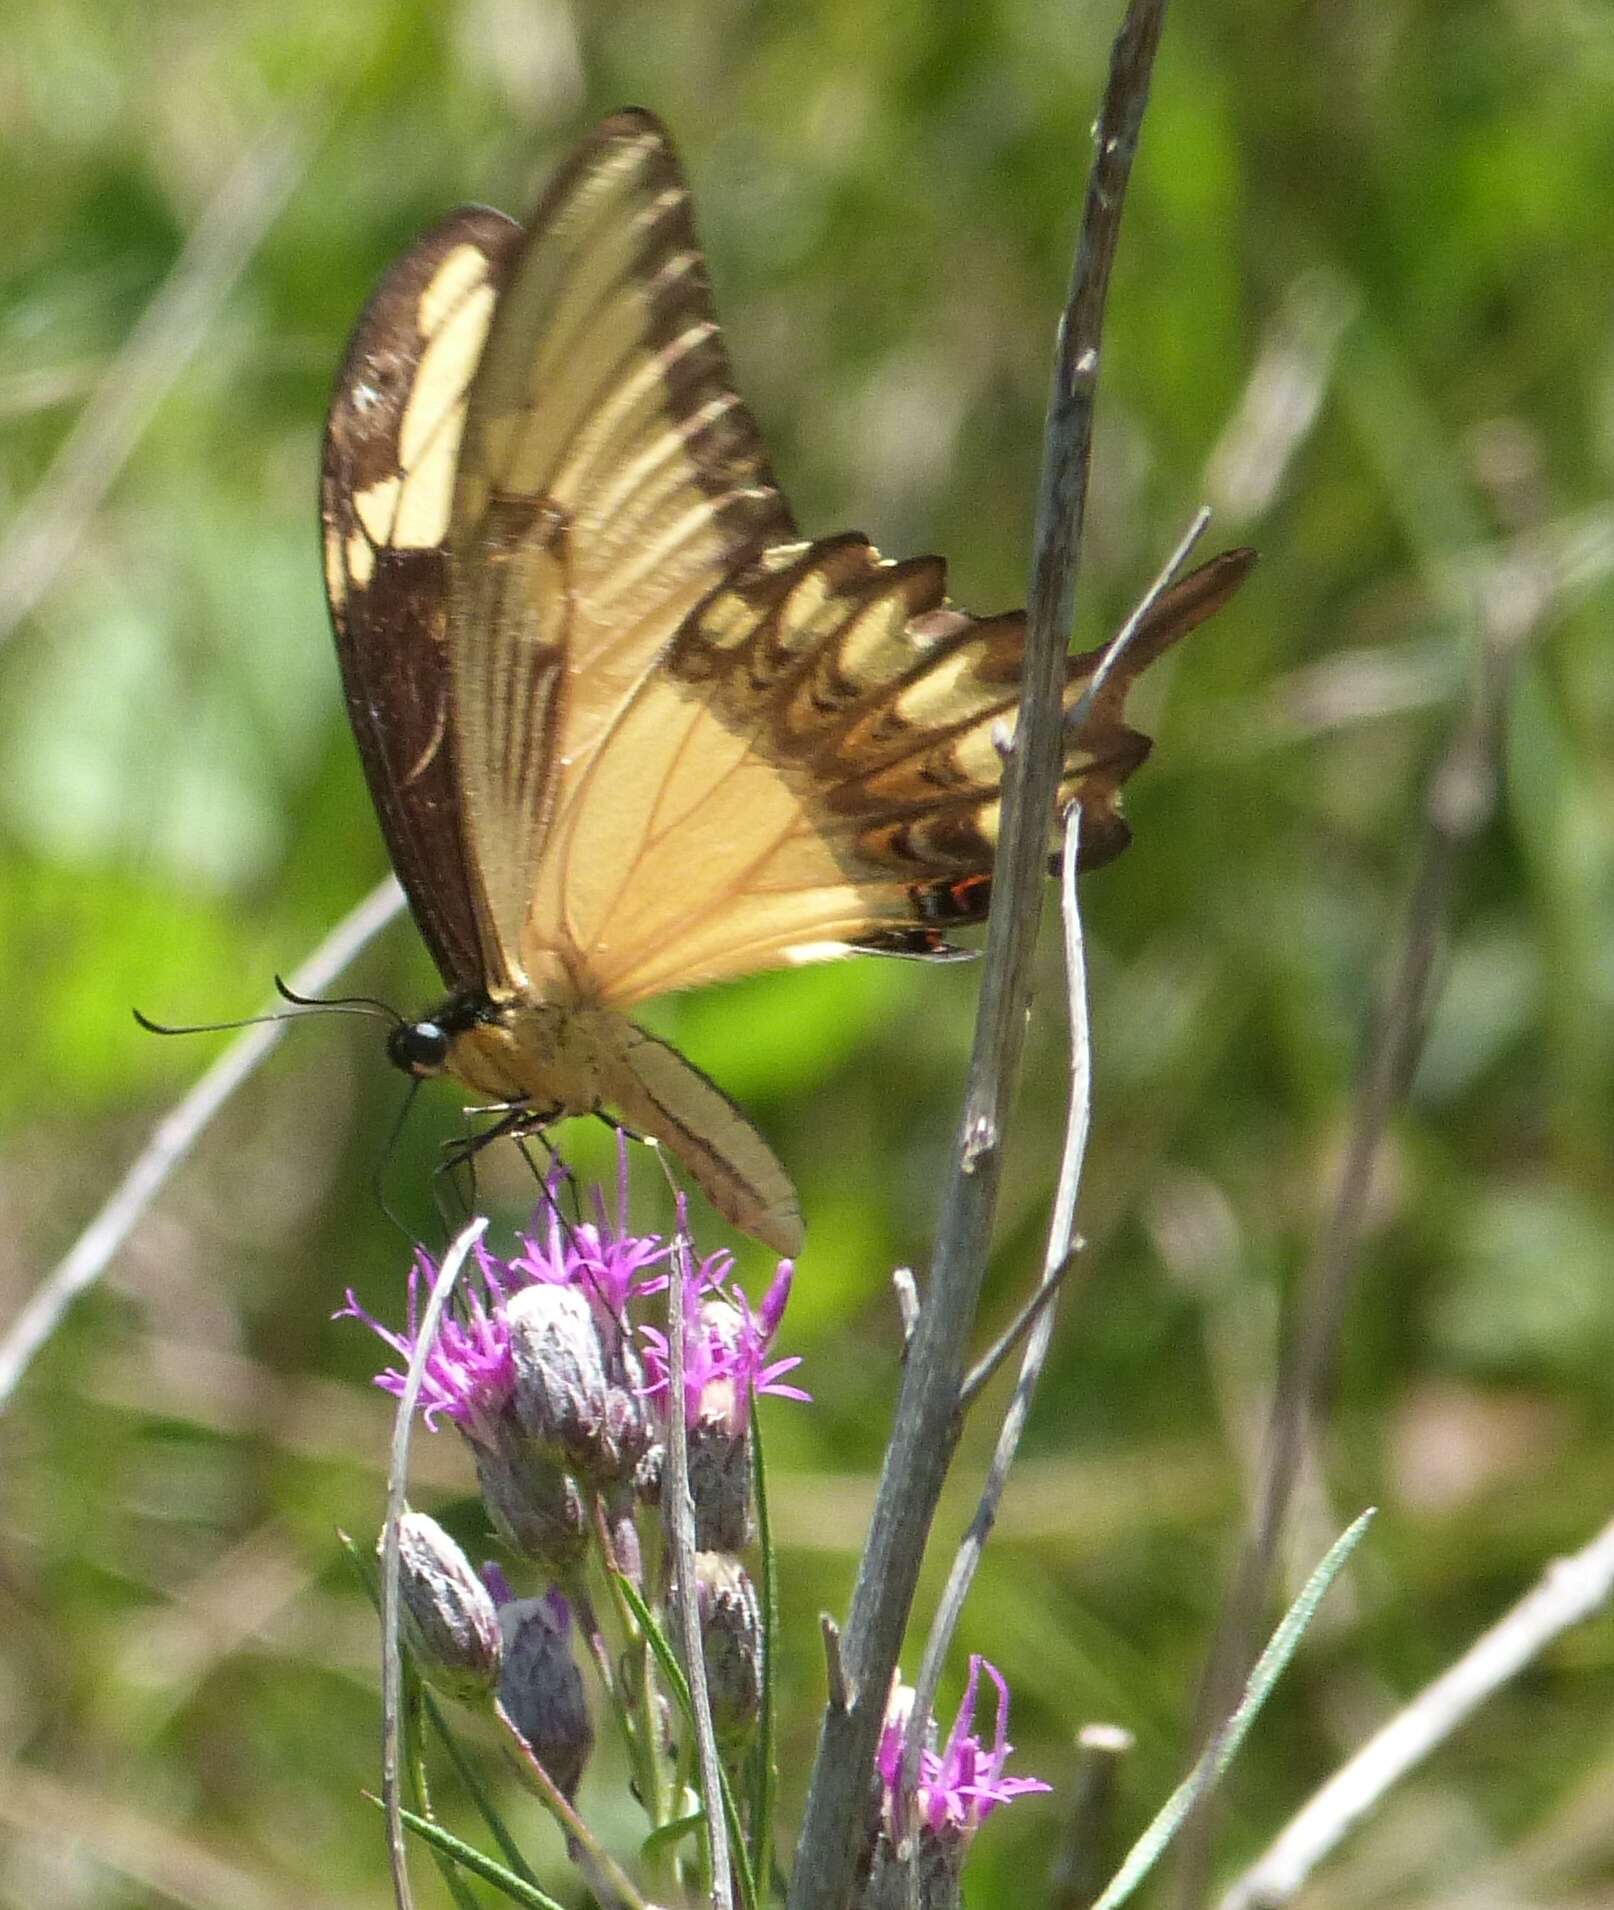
(674, 1833)
(473, 1860)
(1147, 1851)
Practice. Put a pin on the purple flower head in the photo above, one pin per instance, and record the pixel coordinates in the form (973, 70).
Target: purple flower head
(468, 1373)
(962, 1784)
(725, 1348)
(599, 1257)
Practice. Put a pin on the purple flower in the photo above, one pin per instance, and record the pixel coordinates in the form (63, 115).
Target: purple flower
(961, 1785)
(599, 1257)
(469, 1372)
(725, 1348)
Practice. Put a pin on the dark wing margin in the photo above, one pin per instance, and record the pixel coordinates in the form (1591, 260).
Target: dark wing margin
(1103, 751)
(391, 449)
(859, 676)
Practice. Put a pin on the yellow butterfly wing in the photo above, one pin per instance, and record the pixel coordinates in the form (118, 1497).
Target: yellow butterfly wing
(610, 479)
(693, 744)
(625, 730)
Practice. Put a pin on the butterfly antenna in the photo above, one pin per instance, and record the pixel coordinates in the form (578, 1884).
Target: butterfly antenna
(207, 1027)
(344, 1004)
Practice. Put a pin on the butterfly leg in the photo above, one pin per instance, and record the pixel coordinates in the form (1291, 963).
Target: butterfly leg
(516, 1118)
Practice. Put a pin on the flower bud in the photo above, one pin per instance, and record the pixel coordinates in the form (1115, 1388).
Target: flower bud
(731, 1643)
(449, 1620)
(541, 1688)
(564, 1397)
(533, 1502)
(720, 1486)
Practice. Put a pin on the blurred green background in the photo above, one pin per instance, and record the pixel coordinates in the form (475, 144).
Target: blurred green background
(1365, 306)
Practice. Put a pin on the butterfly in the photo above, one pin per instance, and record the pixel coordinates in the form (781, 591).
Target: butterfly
(625, 729)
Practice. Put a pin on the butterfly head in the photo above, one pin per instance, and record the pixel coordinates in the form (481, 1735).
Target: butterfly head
(430, 1044)
(419, 1048)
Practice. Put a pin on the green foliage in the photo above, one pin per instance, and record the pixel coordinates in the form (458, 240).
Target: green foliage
(888, 196)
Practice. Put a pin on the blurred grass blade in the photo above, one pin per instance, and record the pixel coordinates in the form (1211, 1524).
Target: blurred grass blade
(1269, 1667)
(471, 1859)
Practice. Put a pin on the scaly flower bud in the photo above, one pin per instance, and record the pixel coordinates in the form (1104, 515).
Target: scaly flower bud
(449, 1620)
(725, 1362)
(533, 1502)
(564, 1397)
(541, 1688)
(731, 1642)
(720, 1486)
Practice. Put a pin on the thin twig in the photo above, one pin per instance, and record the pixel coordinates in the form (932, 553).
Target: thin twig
(1570, 1591)
(1054, 1275)
(925, 1429)
(1460, 798)
(397, 1486)
(985, 1369)
(45, 532)
(174, 1137)
(604, 1876)
(1061, 1240)
(1080, 1868)
(678, 1512)
(1119, 644)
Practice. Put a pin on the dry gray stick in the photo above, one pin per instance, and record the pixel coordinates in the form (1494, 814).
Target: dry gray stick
(1570, 1591)
(45, 532)
(926, 1417)
(678, 1510)
(397, 1485)
(176, 1134)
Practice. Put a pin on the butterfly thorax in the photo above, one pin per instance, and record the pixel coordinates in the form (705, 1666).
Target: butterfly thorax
(513, 1049)
(560, 1058)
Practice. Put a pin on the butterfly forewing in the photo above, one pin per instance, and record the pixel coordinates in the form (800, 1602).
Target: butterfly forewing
(610, 479)
(391, 452)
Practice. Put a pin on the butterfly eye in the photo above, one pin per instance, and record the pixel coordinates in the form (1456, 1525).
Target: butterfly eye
(418, 1048)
